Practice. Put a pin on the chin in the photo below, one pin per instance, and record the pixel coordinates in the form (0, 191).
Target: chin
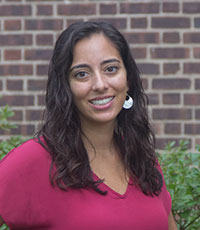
(105, 119)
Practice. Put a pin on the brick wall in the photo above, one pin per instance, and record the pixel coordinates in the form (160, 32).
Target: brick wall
(164, 37)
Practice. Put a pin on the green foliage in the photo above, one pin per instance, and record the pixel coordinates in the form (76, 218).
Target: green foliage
(181, 170)
(5, 113)
(7, 145)
(4, 227)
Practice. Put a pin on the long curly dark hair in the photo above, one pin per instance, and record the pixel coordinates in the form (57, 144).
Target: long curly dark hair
(61, 130)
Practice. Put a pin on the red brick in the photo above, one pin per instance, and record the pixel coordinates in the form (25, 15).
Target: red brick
(1, 85)
(44, 39)
(171, 68)
(15, 10)
(192, 129)
(170, 53)
(171, 7)
(172, 128)
(171, 83)
(191, 7)
(108, 8)
(170, 22)
(191, 37)
(34, 115)
(171, 99)
(196, 52)
(139, 8)
(44, 0)
(12, 25)
(191, 99)
(148, 68)
(197, 114)
(171, 37)
(197, 84)
(44, 24)
(197, 22)
(197, 141)
(38, 54)
(17, 100)
(76, 9)
(16, 70)
(18, 116)
(15, 39)
(139, 23)
(25, 130)
(161, 142)
(119, 23)
(145, 83)
(142, 37)
(172, 114)
(12, 55)
(157, 127)
(36, 85)
(42, 70)
(153, 98)
(71, 21)
(191, 68)
(139, 53)
(41, 100)
(14, 85)
(44, 10)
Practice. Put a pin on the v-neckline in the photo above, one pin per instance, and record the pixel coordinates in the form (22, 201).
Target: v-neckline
(115, 193)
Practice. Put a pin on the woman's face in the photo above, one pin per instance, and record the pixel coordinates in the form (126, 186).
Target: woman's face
(97, 80)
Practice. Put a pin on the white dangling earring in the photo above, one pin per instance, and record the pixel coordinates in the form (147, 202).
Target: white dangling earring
(128, 103)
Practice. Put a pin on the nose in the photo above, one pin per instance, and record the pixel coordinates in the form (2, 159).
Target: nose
(99, 82)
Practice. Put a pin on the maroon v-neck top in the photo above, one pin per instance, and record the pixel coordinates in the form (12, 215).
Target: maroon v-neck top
(28, 200)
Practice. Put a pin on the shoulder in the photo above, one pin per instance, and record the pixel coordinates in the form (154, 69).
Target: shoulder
(24, 179)
(164, 195)
(25, 155)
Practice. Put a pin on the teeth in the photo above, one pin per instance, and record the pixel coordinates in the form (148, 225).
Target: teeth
(101, 102)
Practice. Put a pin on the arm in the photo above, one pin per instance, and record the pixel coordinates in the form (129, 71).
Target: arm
(1, 221)
(171, 222)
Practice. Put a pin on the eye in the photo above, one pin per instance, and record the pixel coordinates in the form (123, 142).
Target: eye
(81, 74)
(112, 69)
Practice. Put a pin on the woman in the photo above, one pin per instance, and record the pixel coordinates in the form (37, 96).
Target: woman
(96, 140)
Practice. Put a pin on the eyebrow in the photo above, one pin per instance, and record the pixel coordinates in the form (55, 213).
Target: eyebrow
(110, 60)
(87, 66)
(79, 66)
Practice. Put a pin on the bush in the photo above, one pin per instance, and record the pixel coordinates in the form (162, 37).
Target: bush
(7, 145)
(181, 170)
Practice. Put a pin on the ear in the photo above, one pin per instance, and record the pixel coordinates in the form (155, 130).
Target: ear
(127, 87)
(127, 84)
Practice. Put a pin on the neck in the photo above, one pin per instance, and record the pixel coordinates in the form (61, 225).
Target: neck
(98, 138)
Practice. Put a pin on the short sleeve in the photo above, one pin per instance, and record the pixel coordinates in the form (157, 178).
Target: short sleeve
(165, 195)
(23, 174)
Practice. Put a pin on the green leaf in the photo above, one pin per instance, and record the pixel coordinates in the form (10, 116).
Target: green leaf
(181, 171)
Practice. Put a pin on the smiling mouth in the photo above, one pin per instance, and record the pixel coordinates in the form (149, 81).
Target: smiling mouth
(102, 101)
